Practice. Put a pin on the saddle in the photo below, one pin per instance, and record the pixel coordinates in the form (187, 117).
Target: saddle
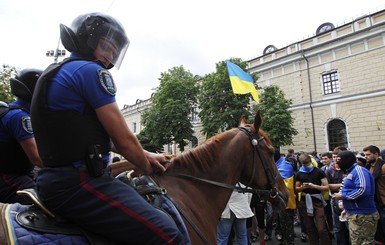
(39, 218)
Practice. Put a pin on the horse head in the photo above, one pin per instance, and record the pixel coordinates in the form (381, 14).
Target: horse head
(262, 174)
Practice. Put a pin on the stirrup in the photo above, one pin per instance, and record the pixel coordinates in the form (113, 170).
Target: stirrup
(31, 193)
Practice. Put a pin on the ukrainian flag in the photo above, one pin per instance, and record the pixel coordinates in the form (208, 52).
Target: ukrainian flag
(241, 81)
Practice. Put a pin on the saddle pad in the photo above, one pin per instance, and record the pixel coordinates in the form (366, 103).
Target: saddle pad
(18, 235)
(168, 207)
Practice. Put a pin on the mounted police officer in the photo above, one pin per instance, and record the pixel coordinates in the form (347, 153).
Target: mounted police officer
(19, 154)
(78, 122)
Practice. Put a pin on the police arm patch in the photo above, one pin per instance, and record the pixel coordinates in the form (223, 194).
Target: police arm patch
(107, 82)
(27, 125)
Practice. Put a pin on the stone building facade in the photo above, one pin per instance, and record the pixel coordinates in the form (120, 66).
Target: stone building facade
(336, 80)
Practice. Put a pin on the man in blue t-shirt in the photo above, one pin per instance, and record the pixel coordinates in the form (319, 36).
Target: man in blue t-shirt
(77, 124)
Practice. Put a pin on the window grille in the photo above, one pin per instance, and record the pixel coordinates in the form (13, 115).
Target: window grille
(331, 83)
(337, 134)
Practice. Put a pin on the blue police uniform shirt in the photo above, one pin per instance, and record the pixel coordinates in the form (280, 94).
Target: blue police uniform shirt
(16, 124)
(79, 83)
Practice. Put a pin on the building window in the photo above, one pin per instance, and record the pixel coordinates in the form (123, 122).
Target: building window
(325, 27)
(134, 127)
(331, 83)
(269, 49)
(337, 134)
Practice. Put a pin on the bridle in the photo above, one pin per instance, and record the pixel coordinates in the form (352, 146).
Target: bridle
(271, 193)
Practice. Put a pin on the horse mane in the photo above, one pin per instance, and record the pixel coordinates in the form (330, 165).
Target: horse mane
(206, 153)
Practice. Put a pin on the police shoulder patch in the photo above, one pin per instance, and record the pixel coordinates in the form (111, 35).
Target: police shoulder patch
(27, 125)
(106, 81)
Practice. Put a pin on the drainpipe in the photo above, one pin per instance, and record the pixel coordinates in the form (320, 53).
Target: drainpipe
(311, 100)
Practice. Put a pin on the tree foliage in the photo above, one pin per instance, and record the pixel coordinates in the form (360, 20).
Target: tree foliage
(146, 143)
(277, 119)
(6, 72)
(168, 120)
(221, 109)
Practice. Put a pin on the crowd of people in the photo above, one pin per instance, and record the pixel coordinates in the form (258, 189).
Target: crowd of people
(336, 197)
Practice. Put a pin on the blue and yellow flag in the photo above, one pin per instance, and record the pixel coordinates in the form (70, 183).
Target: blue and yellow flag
(241, 81)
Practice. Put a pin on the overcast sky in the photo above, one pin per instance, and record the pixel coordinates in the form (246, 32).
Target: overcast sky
(167, 33)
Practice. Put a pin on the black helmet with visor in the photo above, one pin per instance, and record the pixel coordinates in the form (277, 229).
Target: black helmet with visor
(23, 84)
(88, 30)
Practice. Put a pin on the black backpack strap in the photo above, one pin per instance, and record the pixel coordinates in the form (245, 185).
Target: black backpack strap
(46, 77)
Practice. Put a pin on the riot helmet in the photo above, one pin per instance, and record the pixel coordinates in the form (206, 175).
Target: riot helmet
(346, 159)
(88, 31)
(23, 84)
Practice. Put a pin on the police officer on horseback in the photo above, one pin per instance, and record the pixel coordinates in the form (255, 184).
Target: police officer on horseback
(19, 154)
(77, 123)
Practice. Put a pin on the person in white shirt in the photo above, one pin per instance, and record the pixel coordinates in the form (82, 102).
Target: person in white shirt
(235, 215)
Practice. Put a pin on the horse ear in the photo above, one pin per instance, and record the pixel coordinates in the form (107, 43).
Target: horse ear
(243, 121)
(257, 120)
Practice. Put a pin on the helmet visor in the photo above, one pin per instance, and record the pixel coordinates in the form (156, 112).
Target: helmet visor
(112, 48)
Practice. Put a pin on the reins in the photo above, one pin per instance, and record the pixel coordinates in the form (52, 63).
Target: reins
(219, 184)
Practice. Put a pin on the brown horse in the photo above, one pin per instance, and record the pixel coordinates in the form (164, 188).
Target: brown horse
(239, 155)
(201, 180)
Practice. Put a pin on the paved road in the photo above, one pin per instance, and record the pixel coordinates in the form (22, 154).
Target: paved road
(297, 230)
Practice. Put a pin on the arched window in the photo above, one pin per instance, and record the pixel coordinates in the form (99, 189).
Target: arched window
(269, 49)
(325, 27)
(337, 134)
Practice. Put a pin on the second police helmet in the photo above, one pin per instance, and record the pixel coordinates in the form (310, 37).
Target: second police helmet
(86, 31)
(23, 84)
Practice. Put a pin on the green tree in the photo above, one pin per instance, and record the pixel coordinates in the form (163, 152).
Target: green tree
(277, 119)
(168, 120)
(221, 109)
(145, 141)
(5, 90)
